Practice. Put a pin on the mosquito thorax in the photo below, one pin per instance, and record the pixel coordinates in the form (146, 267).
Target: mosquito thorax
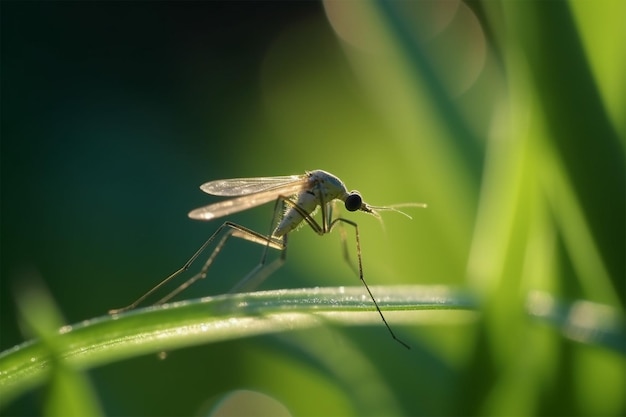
(326, 186)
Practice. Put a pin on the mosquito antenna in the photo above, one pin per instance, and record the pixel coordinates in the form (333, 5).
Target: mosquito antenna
(394, 207)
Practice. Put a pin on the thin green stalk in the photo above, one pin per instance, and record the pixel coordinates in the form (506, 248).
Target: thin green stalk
(156, 329)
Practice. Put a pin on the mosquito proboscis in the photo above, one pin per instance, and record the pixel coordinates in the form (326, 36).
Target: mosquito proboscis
(296, 198)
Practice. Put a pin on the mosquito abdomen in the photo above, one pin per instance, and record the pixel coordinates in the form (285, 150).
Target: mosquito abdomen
(307, 201)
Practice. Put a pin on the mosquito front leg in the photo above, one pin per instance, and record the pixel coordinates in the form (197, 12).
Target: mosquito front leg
(344, 246)
(360, 263)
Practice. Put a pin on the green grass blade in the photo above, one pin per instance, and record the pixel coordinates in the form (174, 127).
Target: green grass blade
(106, 339)
(582, 321)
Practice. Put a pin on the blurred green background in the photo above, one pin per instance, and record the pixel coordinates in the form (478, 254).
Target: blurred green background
(507, 118)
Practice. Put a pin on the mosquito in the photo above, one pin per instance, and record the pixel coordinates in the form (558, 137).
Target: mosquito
(297, 198)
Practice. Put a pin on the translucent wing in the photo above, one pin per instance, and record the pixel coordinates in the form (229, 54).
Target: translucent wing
(245, 186)
(270, 193)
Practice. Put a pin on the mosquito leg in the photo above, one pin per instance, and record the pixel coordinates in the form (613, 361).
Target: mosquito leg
(263, 270)
(360, 263)
(344, 246)
(203, 271)
(260, 272)
(172, 276)
(237, 231)
(234, 230)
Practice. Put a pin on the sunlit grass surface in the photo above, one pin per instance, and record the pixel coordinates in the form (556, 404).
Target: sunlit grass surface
(169, 327)
(507, 118)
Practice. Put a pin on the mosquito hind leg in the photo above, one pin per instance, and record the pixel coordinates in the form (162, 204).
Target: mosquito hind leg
(200, 275)
(233, 230)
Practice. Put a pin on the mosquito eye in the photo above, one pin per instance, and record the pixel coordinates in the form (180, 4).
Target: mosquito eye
(353, 202)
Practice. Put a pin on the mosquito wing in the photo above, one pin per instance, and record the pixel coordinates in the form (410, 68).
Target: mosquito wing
(245, 186)
(269, 192)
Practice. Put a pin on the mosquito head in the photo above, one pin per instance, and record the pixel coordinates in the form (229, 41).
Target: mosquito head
(354, 201)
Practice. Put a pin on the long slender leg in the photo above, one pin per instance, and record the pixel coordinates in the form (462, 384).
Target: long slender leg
(263, 270)
(343, 236)
(254, 278)
(344, 246)
(260, 272)
(202, 274)
(358, 253)
(234, 230)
